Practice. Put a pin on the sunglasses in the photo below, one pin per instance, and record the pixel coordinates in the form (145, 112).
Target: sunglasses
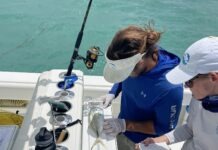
(190, 83)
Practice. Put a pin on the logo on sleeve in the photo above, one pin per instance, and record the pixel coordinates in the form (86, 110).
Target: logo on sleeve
(143, 94)
(172, 116)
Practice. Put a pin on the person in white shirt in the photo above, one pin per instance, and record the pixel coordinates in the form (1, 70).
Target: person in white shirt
(199, 71)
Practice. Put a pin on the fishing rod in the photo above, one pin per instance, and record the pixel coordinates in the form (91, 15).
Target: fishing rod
(92, 53)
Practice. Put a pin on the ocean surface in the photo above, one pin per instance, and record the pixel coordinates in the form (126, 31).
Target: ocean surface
(39, 35)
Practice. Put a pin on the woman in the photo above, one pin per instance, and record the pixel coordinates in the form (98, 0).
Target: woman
(150, 105)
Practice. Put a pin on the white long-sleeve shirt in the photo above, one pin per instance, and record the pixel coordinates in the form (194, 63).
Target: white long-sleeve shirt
(200, 132)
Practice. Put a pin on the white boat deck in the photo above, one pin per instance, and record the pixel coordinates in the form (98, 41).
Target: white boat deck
(22, 86)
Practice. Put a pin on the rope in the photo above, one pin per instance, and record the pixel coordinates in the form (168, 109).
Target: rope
(13, 103)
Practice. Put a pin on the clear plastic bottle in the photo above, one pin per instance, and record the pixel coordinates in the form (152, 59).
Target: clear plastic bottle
(96, 114)
(96, 121)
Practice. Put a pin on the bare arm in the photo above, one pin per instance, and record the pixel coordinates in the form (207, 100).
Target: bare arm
(146, 127)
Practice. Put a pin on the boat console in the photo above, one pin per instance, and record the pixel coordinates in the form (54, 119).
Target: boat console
(56, 110)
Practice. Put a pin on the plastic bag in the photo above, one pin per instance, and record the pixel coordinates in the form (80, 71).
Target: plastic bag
(95, 128)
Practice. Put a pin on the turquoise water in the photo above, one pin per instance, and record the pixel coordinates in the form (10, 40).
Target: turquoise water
(39, 35)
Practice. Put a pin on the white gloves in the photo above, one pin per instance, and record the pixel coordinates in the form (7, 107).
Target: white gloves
(112, 127)
(107, 99)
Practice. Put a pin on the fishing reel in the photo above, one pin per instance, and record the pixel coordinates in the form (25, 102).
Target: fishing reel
(91, 56)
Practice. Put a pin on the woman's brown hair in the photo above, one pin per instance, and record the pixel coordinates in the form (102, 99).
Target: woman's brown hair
(132, 40)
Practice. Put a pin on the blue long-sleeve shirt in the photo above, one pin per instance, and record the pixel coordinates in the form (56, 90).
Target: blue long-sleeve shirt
(151, 97)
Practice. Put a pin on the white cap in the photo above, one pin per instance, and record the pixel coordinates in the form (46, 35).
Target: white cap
(118, 70)
(200, 58)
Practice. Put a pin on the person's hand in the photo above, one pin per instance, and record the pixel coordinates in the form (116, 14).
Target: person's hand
(113, 126)
(148, 141)
(159, 139)
(107, 99)
(137, 146)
